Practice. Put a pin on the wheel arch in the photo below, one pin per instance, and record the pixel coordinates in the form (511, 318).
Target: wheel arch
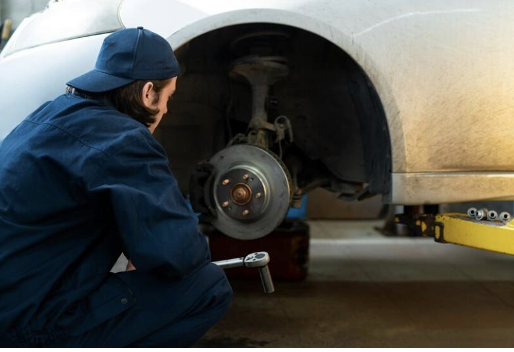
(376, 104)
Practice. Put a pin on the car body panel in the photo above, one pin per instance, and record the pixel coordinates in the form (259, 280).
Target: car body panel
(31, 77)
(443, 71)
(451, 187)
(65, 20)
(441, 68)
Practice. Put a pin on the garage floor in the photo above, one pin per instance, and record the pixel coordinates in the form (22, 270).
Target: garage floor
(367, 290)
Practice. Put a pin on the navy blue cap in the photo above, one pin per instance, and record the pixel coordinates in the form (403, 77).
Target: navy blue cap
(128, 55)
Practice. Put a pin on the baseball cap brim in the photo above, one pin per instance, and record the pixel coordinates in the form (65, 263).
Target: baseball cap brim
(96, 81)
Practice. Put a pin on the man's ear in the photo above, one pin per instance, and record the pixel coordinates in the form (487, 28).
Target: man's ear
(147, 95)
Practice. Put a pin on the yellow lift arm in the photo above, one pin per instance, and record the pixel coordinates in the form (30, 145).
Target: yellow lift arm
(460, 229)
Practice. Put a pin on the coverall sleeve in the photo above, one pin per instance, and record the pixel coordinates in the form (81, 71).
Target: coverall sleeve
(157, 228)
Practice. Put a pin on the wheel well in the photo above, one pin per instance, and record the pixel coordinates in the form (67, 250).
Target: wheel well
(340, 131)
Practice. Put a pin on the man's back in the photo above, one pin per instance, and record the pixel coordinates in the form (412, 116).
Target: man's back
(50, 227)
(83, 180)
(59, 232)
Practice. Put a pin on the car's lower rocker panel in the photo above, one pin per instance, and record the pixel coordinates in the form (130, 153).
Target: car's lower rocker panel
(453, 187)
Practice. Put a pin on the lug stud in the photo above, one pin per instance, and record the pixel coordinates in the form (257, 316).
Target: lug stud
(245, 177)
(246, 212)
(258, 195)
(224, 204)
(225, 182)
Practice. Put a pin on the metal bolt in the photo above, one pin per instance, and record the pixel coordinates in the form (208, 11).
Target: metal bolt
(472, 212)
(481, 214)
(225, 204)
(258, 195)
(492, 215)
(245, 177)
(505, 216)
(246, 212)
(225, 182)
(241, 194)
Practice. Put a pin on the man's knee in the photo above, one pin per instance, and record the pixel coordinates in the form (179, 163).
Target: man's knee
(220, 293)
(205, 289)
(205, 304)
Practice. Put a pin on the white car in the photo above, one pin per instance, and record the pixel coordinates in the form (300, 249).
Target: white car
(409, 99)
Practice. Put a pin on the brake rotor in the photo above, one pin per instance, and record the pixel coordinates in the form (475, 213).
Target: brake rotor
(251, 191)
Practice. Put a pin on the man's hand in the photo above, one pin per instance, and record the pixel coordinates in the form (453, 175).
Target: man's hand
(130, 266)
(197, 184)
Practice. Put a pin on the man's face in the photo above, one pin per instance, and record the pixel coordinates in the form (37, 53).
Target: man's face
(162, 103)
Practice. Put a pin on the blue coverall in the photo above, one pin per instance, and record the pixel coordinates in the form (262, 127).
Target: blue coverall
(80, 183)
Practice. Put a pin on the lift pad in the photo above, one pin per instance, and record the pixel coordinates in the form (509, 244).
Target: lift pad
(459, 229)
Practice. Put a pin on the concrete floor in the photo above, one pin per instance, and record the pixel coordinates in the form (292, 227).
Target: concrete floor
(366, 290)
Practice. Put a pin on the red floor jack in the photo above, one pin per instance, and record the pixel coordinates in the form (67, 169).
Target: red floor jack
(257, 260)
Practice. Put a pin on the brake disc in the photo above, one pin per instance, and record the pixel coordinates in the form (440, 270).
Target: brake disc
(250, 190)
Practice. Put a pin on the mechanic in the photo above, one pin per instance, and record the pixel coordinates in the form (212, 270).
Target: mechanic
(83, 180)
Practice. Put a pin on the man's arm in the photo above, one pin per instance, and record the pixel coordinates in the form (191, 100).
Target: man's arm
(158, 229)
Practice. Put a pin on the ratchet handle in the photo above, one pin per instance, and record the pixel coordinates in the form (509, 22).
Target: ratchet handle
(230, 263)
(257, 260)
(267, 281)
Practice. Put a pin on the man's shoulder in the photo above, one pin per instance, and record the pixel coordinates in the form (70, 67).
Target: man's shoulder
(91, 123)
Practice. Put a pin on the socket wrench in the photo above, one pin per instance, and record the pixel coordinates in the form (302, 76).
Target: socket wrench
(257, 260)
(492, 215)
(505, 217)
(481, 214)
(472, 212)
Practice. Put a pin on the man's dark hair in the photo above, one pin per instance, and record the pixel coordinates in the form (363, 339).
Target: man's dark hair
(127, 99)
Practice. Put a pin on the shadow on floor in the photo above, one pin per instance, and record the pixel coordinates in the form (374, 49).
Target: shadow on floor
(360, 314)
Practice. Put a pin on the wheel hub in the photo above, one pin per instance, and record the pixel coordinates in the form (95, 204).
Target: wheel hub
(241, 194)
(241, 198)
(251, 190)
